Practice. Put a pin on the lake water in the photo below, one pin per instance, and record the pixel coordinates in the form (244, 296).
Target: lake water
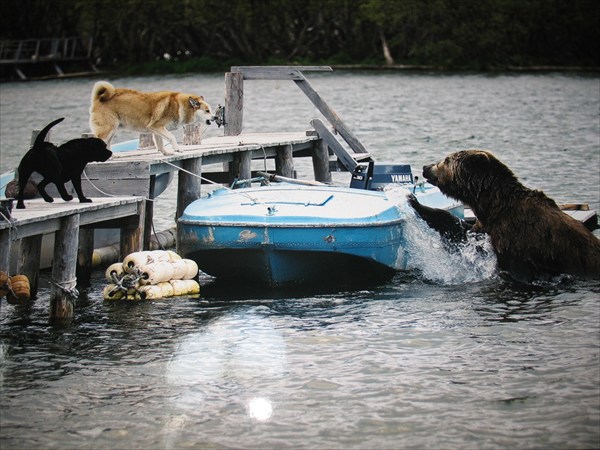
(447, 355)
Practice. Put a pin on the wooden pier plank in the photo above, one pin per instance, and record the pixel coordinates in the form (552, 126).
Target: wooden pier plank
(41, 217)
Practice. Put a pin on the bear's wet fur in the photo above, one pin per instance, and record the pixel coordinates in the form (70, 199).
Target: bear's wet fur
(532, 237)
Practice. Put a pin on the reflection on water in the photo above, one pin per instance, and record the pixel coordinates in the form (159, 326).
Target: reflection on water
(446, 355)
(260, 409)
(239, 350)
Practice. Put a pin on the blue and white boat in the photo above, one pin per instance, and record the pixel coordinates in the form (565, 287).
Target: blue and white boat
(285, 234)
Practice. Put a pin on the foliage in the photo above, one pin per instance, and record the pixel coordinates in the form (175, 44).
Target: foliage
(188, 35)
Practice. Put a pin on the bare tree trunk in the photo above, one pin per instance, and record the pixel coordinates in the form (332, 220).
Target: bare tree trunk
(386, 50)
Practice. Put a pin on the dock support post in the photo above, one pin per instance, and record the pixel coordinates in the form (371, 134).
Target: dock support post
(234, 103)
(84, 256)
(284, 161)
(320, 159)
(145, 140)
(240, 168)
(149, 214)
(189, 186)
(132, 236)
(64, 268)
(5, 250)
(29, 261)
(192, 134)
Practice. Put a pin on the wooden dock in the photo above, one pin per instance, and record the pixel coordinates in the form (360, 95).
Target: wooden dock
(73, 224)
(127, 184)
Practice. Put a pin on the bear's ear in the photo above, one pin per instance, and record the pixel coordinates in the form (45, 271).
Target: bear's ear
(479, 160)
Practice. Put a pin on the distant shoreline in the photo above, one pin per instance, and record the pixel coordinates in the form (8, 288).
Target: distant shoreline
(176, 69)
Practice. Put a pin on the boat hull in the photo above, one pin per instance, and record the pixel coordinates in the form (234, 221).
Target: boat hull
(281, 235)
(276, 268)
(279, 255)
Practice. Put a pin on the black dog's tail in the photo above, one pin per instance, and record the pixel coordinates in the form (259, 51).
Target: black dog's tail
(41, 137)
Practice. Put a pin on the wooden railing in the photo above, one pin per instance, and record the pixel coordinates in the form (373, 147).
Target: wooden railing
(29, 51)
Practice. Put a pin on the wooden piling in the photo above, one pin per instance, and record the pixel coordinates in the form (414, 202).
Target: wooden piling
(84, 257)
(192, 134)
(132, 233)
(149, 213)
(320, 160)
(28, 262)
(234, 103)
(64, 268)
(240, 168)
(5, 250)
(190, 183)
(284, 161)
(145, 140)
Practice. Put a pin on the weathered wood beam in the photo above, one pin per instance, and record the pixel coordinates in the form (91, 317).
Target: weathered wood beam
(234, 103)
(331, 116)
(190, 184)
(28, 262)
(277, 72)
(320, 160)
(64, 269)
(284, 161)
(334, 145)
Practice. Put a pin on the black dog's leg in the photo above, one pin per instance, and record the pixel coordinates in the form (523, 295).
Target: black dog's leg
(23, 179)
(63, 192)
(41, 188)
(448, 225)
(22, 183)
(76, 180)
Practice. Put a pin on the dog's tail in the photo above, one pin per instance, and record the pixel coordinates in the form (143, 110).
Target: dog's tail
(103, 91)
(41, 137)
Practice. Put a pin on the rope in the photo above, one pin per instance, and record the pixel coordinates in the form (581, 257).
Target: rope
(156, 237)
(126, 282)
(9, 219)
(71, 291)
(12, 228)
(106, 193)
(210, 181)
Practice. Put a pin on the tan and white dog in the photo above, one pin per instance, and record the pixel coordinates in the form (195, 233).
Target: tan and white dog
(157, 112)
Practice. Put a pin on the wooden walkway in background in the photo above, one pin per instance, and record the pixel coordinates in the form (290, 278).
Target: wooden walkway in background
(52, 53)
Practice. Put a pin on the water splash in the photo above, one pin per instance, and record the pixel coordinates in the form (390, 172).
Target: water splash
(435, 260)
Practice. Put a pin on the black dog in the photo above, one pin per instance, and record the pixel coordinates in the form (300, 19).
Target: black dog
(59, 164)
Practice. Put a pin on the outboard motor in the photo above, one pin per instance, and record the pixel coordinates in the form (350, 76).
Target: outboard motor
(375, 176)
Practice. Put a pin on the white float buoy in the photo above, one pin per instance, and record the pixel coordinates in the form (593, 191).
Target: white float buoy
(115, 269)
(156, 273)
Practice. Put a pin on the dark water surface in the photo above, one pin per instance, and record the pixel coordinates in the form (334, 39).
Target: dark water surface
(445, 356)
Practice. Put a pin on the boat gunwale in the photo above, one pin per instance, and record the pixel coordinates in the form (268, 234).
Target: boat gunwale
(346, 224)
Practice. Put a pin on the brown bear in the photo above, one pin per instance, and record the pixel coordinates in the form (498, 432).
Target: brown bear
(532, 237)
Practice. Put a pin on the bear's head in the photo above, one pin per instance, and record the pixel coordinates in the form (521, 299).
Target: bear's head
(469, 176)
